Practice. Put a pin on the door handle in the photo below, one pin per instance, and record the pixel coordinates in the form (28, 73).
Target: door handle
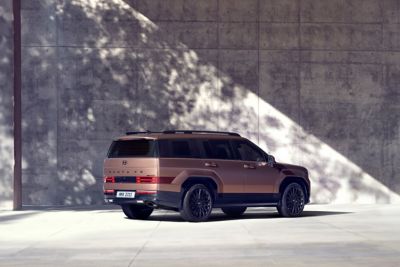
(210, 164)
(249, 166)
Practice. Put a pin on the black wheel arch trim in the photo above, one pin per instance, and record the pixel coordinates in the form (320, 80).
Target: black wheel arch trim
(206, 180)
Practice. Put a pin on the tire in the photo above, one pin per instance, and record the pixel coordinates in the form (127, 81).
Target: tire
(292, 201)
(137, 211)
(197, 204)
(234, 212)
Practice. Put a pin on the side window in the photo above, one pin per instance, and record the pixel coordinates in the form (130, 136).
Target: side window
(248, 152)
(178, 149)
(217, 149)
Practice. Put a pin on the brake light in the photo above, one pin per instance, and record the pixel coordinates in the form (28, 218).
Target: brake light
(109, 179)
(109, 191)
(146, 180)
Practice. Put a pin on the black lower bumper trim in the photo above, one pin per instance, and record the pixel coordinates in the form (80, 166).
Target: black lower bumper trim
(139, 199)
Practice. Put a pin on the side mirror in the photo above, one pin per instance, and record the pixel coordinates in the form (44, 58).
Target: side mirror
(271, 160)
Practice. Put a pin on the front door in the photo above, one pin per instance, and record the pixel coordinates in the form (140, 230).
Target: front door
(260, 178)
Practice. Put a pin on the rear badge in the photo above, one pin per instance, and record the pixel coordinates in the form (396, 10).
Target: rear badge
(124, 162)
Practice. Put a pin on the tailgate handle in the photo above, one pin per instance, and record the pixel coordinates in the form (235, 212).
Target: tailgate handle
(210, 164)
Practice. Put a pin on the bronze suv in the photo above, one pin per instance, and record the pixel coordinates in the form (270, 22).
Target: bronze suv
(193, 172)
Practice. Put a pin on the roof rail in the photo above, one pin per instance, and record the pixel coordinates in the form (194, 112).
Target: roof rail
(142, 132)
(199, 132)
(184, 132)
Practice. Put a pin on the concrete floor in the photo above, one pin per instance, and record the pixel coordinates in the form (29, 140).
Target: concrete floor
(327, 235)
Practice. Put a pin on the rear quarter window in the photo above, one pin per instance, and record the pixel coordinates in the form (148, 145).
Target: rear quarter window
(184, 148)
(133, 149)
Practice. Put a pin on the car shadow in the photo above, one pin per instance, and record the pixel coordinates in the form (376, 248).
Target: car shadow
(16, 216)
(249, 215)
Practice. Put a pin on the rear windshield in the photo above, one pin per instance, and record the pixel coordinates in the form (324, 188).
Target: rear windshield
(133, 149)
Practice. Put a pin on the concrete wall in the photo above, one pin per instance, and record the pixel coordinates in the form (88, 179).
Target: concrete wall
(6, 104)
(313, 82)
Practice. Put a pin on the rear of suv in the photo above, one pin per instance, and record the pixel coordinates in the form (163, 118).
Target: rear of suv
(193, 172)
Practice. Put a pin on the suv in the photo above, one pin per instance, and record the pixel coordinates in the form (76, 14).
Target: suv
(193, 172)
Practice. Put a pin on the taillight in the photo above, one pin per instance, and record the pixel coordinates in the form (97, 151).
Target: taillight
(146, 180)
(109, 179)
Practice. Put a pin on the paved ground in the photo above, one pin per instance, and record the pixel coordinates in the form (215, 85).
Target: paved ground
(327, 235)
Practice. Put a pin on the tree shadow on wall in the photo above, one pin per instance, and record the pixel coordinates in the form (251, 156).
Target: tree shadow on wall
(114, 70)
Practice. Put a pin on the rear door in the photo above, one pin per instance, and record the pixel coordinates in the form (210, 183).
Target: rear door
(219, 157)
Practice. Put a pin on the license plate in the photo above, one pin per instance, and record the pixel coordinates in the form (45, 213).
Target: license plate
(126, 194)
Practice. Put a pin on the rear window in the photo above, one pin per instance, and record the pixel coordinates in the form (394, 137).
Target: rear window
(218, 149)
(133, 149)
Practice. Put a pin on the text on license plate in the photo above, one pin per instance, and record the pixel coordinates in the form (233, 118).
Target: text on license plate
(126, 194)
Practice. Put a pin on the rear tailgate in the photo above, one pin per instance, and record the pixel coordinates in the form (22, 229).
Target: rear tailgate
(127, 170)
(131, 164)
